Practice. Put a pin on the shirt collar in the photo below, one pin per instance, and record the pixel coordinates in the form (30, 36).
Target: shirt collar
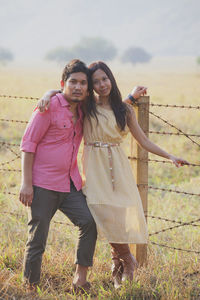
(64, 102)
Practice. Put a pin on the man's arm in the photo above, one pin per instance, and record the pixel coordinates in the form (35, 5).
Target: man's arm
(26, 190)
(34, 133)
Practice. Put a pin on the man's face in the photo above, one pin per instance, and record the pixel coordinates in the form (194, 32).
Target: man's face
(76, 87)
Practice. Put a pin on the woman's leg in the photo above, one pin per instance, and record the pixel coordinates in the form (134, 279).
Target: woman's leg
(117, 267)
(121, 254)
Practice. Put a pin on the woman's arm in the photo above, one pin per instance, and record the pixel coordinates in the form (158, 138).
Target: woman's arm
(43, 103)
(145, 143)
(136, 93)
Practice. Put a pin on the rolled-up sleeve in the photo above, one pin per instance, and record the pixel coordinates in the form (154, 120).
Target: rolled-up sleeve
(35, 130)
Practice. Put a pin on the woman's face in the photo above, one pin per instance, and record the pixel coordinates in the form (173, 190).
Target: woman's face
(101, 83)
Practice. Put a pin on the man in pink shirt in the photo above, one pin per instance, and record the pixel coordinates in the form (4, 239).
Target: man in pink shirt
(50, 175)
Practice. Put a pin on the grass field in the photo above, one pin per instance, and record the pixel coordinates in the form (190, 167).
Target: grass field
(169, 274)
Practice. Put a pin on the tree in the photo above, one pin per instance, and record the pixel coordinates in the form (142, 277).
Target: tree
(88, 50)
(5, 56)
(198, 60)
(60, 54)
(136, 55)
(91, 49)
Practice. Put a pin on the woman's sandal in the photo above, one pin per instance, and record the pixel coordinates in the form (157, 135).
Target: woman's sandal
(82, 289)
(130, 265)
(117, 271)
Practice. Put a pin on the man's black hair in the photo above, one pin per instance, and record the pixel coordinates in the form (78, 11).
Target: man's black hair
(75, 66)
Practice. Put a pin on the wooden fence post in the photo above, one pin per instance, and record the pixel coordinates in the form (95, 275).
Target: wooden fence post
(140, 169)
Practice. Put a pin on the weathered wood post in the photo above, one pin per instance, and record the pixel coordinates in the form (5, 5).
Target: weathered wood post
(140, 169)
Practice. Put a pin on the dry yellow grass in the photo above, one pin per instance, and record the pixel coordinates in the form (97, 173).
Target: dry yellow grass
(169, 274)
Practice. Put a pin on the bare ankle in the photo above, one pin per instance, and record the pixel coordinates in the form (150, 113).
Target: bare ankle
(80, 277)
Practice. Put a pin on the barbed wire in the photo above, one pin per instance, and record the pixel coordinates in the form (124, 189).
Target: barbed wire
(22, 215)
(175, 106)
(19, 97)
(181, 133)
(12, 214)
(12, 151)
(9, 161)
(141, 184)
(13, 121)
(159, 161)
(176, 226)
(153, 132)
(171, 133)
(10, 170)
(173, 126)
(173, 191)
(163, 219)
(9, 144)
(174, 248)
(9, 193)
(150, 112)
(148, 216)
(68, 224)
(168, 190)
(151, 104)
(169, 220)
(191, 274)
(150, 131)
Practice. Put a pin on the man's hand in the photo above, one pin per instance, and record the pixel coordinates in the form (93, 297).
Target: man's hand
(26, 194)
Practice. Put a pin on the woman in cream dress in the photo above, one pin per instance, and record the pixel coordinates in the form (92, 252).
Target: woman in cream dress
(110, 188)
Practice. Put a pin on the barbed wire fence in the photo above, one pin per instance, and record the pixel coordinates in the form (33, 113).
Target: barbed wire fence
(9, 146)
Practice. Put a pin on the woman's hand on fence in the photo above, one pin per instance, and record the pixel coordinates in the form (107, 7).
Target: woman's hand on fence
(178, 162)
(136, 93)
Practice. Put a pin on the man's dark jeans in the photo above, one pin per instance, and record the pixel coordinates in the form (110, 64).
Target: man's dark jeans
(45, 204)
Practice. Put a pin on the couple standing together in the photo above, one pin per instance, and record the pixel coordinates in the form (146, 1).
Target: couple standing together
(51, 179)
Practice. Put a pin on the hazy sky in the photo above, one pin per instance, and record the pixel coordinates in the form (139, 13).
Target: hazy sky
(30, 28)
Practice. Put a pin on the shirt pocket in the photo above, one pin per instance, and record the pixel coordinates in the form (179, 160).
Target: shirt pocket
(64, 129)
(63, 124)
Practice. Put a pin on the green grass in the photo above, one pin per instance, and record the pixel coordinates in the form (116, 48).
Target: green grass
(169, 274)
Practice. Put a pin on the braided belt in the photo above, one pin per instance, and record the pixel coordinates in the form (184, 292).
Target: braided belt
(110, 159)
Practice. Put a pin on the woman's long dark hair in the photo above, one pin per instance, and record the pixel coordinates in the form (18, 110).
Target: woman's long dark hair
(115, 99)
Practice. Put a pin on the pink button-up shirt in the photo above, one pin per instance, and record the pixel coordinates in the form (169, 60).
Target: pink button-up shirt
(55, 141)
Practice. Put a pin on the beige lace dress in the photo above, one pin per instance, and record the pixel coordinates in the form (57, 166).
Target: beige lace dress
(110, 188)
